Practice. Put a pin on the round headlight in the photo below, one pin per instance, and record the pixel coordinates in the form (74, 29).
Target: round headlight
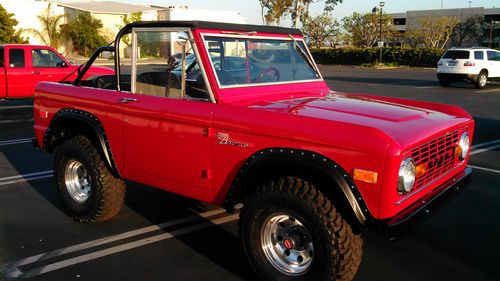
(464, 144)
(406, 176)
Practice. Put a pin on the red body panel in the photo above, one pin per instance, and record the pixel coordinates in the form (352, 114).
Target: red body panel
(173, 144)
(20, 82)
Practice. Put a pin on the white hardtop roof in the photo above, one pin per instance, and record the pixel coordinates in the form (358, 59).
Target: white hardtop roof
(108, 7)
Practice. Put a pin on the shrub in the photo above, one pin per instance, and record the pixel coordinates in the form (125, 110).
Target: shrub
(357, 56)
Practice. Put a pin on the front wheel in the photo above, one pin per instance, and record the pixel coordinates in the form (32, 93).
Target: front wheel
(482, 80)
(291, 231)
(87, 188)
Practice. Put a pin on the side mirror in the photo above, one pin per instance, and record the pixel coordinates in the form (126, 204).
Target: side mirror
(62, 64)
(182, 38)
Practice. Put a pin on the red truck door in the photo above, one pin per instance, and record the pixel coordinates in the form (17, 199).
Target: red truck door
(19, 76)
(166, 142)
(3, 78)
(46, 65)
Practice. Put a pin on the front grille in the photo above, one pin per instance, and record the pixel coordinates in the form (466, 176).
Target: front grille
(439, 156)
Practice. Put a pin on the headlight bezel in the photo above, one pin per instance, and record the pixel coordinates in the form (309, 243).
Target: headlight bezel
(464, 144)
(405, 186)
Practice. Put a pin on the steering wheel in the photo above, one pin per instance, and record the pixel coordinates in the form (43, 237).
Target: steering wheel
(270, 72)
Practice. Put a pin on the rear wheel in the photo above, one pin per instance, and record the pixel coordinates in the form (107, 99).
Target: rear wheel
(87, 188)
(291, 231)
(482, 80)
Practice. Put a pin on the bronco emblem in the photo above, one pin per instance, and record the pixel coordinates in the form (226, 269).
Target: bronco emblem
(223, 138)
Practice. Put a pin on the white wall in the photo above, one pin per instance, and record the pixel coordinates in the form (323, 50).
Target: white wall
(26, 12)
(186, 13)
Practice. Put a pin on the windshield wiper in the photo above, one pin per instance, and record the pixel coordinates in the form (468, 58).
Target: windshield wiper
(303, 53)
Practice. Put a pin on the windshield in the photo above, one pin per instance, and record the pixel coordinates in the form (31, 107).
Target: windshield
(244, 61)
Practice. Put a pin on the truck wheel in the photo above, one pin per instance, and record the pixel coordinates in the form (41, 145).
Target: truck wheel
(291, 231)
(482, 80)
(88, 190)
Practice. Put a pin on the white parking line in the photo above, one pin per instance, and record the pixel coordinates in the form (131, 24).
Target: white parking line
(426, 87)
(488, 91)
(112, 238)
(11, 272)
(16, 121)
(484, 169)
(488, 148)
(16, 141)
(485, 144)
(26, 177)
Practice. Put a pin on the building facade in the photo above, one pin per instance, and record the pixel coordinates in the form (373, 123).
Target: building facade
(411, 20)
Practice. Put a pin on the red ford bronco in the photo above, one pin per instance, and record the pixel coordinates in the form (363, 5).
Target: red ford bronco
(248, 122)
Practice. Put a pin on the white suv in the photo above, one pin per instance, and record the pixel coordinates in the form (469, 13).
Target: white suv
(473, 65)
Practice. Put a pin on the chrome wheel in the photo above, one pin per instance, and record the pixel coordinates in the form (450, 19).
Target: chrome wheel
(287, 244)
(483, 79)
(77, 180)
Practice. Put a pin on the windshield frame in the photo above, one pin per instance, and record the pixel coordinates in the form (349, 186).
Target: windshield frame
(245, 37)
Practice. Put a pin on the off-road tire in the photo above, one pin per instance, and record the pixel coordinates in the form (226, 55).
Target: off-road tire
(107, 192)
(482, 80)
(337, 250)
(444, 83)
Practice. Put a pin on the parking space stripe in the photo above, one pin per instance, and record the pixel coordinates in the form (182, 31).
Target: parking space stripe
(12, 272)
(17, 141)
(488, 91)
(484, 169)
(113, 238)
(485, 144)
(26, 177)
(16, 121)
(488, 148)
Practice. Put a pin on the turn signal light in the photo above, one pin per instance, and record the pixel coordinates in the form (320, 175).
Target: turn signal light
(366, 176)
(458, 151)
(420, 170)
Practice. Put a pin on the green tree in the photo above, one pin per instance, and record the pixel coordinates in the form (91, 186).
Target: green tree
(8, 35)
(50, 32)
(471, 29)
(363, 30)
(84, 33)
(322, 30)
(297, 10)
(134, 17)
(435, 32)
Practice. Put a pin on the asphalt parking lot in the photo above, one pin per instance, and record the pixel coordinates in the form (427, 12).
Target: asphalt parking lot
(160, 236)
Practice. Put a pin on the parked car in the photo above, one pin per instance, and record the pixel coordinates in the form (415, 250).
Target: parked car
(472, 65)
(309, 168)
(23, 66)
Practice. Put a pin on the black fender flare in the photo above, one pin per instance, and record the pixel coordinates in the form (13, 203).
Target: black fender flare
(93, 122)
(317, 161)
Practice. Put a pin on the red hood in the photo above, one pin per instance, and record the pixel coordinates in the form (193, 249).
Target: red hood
(100, 70)
(405, 123)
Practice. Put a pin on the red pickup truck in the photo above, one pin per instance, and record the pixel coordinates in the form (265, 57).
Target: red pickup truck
(23, 66)
(247, 122)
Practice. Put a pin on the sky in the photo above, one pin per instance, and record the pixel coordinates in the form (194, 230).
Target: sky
(251, 8)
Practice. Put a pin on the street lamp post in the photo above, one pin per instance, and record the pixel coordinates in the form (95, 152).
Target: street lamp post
(382, 4)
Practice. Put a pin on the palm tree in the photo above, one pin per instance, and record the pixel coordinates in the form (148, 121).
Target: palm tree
(50, 33)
